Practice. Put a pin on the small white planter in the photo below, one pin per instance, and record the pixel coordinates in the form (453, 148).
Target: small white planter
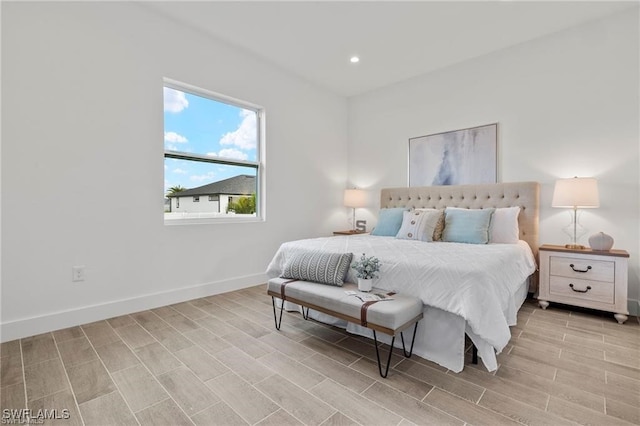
(365, 284)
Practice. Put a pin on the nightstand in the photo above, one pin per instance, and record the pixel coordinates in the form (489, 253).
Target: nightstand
(586, 278)
(356, 232)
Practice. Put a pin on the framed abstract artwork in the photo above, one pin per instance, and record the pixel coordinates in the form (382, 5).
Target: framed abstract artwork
(459, 157)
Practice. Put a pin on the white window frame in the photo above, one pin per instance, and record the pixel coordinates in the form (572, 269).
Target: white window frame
(258, 164)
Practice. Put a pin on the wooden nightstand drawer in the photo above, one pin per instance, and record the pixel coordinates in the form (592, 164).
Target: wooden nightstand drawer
(596, 291)
(584, 269)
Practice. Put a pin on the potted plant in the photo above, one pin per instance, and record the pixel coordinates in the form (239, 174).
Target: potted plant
(367, 269)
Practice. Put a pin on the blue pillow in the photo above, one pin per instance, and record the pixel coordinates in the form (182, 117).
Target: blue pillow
(389, 222)
(467, 225)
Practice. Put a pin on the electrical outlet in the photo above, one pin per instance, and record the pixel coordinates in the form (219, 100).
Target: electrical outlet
(77, 273)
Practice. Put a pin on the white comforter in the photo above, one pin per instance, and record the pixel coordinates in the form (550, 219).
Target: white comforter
(476, 282)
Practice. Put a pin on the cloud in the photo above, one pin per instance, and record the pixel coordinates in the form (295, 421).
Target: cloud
(200, 178)
(174, 100)
(244, 137)
(233, 153)
(230, 153)
(174, 137)
(180, 171)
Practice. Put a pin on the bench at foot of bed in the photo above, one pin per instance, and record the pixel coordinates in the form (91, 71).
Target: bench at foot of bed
(391, 317)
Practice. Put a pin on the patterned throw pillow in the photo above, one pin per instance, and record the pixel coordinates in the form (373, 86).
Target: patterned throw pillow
(319, 267)
(419, 225)
(437, 231)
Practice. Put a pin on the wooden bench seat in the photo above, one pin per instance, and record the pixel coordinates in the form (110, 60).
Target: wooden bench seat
(389, 316)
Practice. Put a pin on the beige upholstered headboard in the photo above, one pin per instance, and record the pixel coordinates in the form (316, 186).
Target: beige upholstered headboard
(523, 194)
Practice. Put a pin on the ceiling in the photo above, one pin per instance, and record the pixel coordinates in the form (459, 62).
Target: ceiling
(394, 40)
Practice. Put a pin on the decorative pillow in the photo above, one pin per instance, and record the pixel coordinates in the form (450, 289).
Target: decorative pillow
(419, 225)
(389, 222)
(504, 227)
(437, 231)
(319, 267)
(467, 225)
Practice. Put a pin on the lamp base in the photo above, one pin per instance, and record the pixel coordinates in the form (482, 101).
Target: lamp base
(575, 246)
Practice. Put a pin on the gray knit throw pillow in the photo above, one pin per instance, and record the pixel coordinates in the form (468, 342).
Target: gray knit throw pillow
(319, 267)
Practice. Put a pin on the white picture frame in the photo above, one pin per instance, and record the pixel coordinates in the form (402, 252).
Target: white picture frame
(458, 157)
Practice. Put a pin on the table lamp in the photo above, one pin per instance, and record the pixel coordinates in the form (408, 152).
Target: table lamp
(575, 193)
(354, 198)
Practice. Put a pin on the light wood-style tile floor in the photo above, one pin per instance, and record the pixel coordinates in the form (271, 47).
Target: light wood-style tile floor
(219, 361)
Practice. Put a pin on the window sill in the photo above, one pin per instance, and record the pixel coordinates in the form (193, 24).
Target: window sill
(197, 219)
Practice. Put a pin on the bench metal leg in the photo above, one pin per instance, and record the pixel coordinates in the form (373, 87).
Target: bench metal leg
(277, 320)
(404, 350)
(386, 371)
(275, 317)
(413, 339)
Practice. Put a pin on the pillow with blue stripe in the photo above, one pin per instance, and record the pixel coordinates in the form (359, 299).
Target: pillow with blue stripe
(467, 225)
(389, 222)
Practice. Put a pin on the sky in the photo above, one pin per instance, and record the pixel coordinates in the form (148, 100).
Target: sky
(195, 124)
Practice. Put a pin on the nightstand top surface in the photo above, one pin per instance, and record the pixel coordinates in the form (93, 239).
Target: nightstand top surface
(563, 249)
(356, 232)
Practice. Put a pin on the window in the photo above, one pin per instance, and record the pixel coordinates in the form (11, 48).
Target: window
(212, 148)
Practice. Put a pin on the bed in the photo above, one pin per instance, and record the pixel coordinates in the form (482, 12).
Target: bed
(467, 289)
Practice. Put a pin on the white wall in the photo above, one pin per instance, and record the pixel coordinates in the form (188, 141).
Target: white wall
(83, 130)
(566, 104)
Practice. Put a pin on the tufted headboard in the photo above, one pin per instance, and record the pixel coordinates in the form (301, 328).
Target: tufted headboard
(523, 194)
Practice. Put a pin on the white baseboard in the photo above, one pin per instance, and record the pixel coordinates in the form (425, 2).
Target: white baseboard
(57, 320)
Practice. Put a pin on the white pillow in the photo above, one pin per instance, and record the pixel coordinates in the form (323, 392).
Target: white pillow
(504, 226)
(418, 225)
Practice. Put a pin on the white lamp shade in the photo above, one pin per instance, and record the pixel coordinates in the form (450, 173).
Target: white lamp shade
(576, 192)
(355, 198)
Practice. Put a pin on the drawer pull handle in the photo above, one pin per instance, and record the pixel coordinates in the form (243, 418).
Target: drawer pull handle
(580, 291)
(580, 270)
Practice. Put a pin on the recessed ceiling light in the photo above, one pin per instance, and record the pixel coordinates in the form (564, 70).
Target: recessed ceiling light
(354, 59)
